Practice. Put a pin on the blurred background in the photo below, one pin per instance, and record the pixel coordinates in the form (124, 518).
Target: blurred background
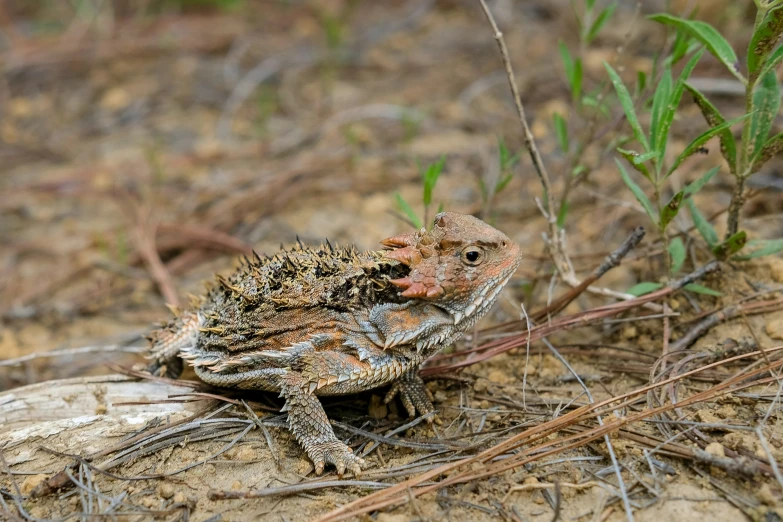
(144, 144)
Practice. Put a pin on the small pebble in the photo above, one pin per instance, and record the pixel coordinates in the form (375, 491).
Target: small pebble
(165, 490)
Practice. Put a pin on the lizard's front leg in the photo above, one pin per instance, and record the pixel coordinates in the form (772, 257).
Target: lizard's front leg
(310, 426)
(414, 395)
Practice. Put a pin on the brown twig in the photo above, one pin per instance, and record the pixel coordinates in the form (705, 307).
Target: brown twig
(205, 237)
(612, 260)
(144, 240)
(112, 348)
(294, 489)
(725, 314)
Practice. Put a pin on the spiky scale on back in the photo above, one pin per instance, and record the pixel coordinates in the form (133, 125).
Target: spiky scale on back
(238, 309)
(310, 277)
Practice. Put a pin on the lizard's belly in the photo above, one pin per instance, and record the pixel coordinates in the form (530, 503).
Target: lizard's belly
(326, 373)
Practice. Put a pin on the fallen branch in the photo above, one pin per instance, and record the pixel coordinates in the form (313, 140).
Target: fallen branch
(612, 261)
(729, 312)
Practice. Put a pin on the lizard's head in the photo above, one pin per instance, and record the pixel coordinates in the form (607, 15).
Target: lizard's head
(461, 264)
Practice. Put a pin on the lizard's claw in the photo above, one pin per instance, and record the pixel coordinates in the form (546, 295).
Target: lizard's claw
(336, 453)
(414, 396)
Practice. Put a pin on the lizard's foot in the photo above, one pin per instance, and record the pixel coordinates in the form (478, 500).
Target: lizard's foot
(414, 396)
(310, 426)
(336, 453)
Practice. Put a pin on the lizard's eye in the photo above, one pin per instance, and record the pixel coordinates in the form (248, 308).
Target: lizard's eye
(472, 255)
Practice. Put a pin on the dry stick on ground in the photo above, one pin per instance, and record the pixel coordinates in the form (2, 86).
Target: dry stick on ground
(174, 434)
(144, 239)
(612, 260)
(490, 466)
(112, 348)
(723, 315)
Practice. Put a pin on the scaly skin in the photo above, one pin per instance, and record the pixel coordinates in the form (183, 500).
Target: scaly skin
(322, 321)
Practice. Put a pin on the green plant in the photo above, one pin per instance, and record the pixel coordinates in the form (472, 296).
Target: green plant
(429, 178)
(219, 4)
(756, 145)
(650, 161)
(506, 164)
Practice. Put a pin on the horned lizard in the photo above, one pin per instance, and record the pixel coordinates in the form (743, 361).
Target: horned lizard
(310, 322)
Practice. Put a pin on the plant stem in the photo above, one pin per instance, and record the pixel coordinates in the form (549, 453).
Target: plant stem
(662, 229)
(743, 167)
(735, 206)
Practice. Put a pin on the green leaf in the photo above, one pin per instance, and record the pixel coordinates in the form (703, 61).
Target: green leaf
(503, 182)
(660, 100)
(640, 196)
(766, 103)
(771, 148)
(600, 105)
(573, 70)
(561, 131)
(644, 288)
(764, 39)
(430, 178)
(773, 60)
(730, 245)
(671, 209)
(562, 214)
(627, 104)
(677, 254)
(728, 147)
(709, 36)
(697, 185)
(600, 21)
(702, 225)
(703, 138)
(576, 81)
(633, 159)
(579, 169)
(407, 210)
(641, 158)
(679, 48)
(567, 59)
(699, 289)
(505, 159)
(667, 116)
(641, 82)
(761, 248)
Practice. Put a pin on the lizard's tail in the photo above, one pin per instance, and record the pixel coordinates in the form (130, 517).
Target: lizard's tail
(169, 341)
